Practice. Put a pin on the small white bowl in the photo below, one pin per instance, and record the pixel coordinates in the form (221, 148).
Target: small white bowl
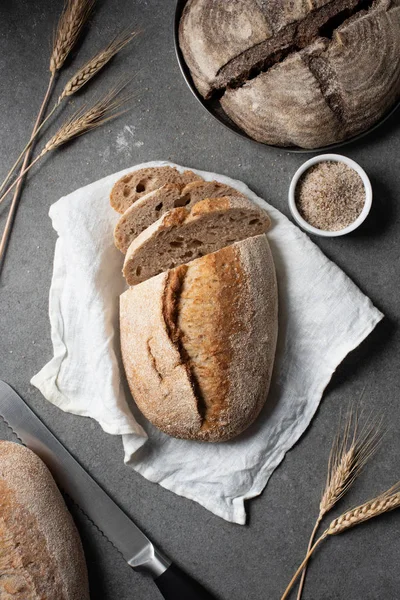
(336, 158)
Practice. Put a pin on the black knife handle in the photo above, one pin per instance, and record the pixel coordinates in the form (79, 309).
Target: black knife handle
(174, 584)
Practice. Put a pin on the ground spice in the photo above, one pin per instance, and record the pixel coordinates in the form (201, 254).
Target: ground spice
(330, 195)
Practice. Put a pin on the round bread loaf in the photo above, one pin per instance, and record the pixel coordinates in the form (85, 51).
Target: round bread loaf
(295, 73)
(198, 342)
(41, 555)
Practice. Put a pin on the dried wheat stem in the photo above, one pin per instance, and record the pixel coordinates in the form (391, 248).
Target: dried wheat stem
(310, 544)
(303, 564)
(81, 122)
(70, 24)
(14, 204)
(34, 135)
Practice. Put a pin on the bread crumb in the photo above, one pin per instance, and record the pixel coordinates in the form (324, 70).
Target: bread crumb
(330, 195)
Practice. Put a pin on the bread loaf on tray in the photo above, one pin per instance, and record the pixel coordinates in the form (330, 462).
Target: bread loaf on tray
(41, 556)
(198, 342)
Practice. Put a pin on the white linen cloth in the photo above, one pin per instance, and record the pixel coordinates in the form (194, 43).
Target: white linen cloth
(322, 317)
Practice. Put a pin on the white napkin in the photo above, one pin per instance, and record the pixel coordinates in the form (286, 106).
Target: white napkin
(322, 317)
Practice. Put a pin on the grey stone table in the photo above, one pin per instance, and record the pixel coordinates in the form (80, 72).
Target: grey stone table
(254, 561)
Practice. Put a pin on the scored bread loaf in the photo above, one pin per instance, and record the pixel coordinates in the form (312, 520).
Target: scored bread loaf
(198, 342)
(182, 235)
(134, 185)
(41, 555)
(152, 206)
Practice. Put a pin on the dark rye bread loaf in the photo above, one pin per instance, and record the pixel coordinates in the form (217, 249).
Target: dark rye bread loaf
(133, 186)
(182, 235)
(41, 556)
(154, 205)
(358, 68)
(198, 342)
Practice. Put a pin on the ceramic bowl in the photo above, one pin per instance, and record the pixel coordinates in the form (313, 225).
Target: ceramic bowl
(332, 158)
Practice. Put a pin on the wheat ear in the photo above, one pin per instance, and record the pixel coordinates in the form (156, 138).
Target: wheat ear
(75, 13)
(350, 451)
(96, 63)
(69, 27)
(84, 120)
(385, 502)
(81, 77)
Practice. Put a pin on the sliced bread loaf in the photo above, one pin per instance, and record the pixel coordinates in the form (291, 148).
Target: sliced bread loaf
(131, 187)
(152, 206)
(182, 235)
(198, 342)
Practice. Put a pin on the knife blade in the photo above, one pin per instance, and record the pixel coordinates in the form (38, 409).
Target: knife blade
(139, 552)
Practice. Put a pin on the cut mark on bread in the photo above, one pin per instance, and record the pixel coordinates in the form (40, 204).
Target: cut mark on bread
(320, 23)
(170, 310)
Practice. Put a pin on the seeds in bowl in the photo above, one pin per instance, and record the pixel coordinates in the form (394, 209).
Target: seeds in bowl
(330, 195)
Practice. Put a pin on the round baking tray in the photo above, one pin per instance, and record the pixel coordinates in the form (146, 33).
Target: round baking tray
(214, 108)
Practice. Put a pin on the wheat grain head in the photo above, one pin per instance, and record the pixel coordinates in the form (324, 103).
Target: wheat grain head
(385, 502)
(350, 451)
(89, 117)
(96, 63)
(69, 27)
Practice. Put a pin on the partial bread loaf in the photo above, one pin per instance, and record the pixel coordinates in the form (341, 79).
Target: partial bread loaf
(198, 342)
(152, 206)
(133, 186)
(41, 556)
(182, 235)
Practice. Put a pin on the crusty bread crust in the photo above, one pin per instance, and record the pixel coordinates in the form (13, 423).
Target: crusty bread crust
(154, 205)
(198, 342)
(182, 235)
(41, 555)
(134, 185)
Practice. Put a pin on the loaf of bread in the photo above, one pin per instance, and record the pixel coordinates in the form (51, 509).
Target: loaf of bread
(182, 235)
(198, 342)
(41, 556)
(133, 186)
(152, 206)
(295, 73)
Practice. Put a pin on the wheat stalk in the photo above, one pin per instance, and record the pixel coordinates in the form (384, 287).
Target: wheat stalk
(81, 77)
(350, 451)
(385, 502)
(70, 25)
(84, 120)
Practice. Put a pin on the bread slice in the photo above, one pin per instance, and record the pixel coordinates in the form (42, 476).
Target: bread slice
(41, 555)
(182, 235)
(152, 206)
(133, 186)
(198, 342)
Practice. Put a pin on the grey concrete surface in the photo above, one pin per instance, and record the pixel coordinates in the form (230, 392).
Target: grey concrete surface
(255, 561)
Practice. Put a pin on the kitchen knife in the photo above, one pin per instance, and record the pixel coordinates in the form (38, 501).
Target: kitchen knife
(135, 547)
